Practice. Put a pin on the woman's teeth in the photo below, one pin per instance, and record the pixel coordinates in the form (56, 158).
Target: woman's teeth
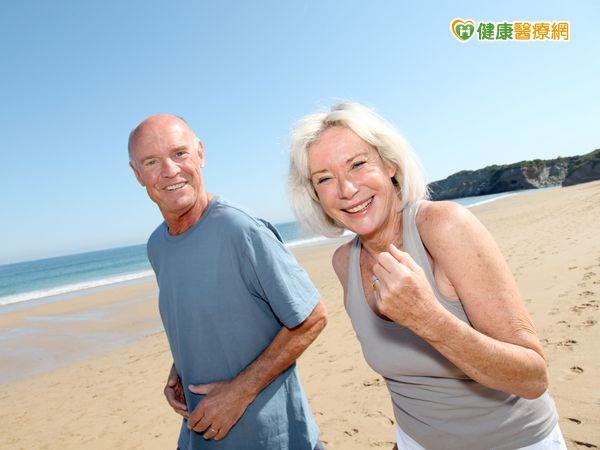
(360, 207)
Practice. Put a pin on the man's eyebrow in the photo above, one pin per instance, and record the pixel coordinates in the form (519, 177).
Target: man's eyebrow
(347, 161)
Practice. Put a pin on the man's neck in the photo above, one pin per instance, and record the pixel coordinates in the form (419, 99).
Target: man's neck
(180, 223)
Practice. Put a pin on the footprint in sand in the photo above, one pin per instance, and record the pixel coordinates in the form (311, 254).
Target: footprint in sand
(554, 311)
(351, 432)
(373, 382)
(380, 413)
(576, 369)
(574, 420)
(588, 275)
(592, 304)
(566, 343)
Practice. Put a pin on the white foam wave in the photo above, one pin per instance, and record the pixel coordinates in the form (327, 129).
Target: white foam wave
(68, 288)
(315, 240)
(489, 200)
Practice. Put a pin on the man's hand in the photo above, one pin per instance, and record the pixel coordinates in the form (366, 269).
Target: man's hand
(226, 401)
(218, 412)
(174, 393)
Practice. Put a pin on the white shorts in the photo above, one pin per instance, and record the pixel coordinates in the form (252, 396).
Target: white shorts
(554, 441)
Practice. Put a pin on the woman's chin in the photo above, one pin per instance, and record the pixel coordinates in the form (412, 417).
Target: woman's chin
(362, 229)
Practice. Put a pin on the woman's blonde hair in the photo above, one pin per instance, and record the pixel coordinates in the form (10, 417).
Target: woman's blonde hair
(370, 127)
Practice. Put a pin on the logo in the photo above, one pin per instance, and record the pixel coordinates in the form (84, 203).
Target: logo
(463, 30)
(519, 30)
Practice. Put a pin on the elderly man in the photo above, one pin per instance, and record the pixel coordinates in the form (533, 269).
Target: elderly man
(236, 307)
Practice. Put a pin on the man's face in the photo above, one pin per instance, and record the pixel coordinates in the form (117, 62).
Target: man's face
(167, 160)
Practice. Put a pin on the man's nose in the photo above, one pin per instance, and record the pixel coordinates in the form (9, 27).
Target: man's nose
(169, 168)
(346, 188)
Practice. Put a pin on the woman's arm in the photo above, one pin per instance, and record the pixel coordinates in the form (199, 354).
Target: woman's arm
(502, 350)
(340, 262)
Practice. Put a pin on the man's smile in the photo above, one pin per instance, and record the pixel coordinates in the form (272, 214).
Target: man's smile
(174, 187)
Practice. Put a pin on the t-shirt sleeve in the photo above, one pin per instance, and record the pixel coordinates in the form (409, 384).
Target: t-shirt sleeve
(274, 275)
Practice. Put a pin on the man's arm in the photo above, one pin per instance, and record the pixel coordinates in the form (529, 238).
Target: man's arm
(226, 401)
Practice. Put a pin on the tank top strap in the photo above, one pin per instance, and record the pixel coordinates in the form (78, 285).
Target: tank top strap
(354, 277)
(413, 245)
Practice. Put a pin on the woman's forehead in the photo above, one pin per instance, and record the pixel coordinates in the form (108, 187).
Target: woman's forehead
(338, 145)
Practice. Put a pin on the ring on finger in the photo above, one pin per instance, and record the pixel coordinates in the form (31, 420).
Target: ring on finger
(373, 281)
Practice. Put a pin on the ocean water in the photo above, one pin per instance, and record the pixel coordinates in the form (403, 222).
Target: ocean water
(42, 278)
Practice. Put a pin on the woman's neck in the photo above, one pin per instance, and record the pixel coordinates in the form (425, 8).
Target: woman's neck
(389, 233)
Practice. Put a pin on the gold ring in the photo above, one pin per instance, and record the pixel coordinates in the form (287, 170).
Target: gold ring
(375, 280)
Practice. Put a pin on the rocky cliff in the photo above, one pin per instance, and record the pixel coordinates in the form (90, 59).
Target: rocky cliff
(522, 175)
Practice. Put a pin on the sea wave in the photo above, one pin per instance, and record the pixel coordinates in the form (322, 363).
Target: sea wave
(490, 200)
(314, 240)
(68, 288)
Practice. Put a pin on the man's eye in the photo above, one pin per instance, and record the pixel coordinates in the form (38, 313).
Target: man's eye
(358, 164)
(180, 153)
(150, 162)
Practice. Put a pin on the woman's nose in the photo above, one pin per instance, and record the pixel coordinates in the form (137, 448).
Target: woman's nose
(346, 189)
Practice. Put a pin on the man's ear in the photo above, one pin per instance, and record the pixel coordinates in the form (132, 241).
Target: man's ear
(137, 173)
(201, 153)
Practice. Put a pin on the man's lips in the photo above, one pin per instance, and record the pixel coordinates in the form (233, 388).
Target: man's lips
(360, 207)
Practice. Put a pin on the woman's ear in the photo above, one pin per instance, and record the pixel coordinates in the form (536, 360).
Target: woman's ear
(390, 169)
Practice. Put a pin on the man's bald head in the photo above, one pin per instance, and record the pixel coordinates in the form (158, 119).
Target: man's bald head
(154, 126)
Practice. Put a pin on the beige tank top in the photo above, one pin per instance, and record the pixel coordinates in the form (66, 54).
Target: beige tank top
(434, 402)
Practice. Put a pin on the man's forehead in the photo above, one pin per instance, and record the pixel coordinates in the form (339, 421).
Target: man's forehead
(162, 126)
(162, 131)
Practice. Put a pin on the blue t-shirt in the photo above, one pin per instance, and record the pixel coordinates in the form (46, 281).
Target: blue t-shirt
(226, 287)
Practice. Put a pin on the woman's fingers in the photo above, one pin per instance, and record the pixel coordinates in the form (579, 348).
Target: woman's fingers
(403, 258)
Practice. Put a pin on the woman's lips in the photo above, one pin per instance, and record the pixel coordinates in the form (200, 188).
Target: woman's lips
(361, 207)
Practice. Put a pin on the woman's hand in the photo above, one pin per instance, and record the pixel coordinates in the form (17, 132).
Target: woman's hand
(402, 291)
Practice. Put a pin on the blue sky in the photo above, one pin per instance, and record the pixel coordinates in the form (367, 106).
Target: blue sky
(77, 76)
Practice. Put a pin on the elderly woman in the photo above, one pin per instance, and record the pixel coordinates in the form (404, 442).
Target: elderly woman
(431, 299)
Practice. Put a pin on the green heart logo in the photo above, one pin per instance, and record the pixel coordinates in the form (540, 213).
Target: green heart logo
(463, 30)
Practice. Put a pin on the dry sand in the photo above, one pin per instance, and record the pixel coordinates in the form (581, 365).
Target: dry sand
(551, 240)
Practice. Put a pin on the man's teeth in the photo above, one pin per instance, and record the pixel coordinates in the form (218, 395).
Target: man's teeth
(361, 206)
(175, 186)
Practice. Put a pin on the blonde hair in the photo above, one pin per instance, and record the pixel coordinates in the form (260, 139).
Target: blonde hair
(370, 127)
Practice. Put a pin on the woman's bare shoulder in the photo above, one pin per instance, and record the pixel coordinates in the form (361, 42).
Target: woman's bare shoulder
(339, 261)
(443, 225)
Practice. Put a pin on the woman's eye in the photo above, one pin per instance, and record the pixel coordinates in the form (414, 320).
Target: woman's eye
(358, 164)
(323, 180)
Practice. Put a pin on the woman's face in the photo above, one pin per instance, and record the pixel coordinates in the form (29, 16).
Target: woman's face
(353, 184)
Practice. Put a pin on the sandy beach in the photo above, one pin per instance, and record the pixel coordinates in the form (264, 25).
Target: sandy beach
(72, 382)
